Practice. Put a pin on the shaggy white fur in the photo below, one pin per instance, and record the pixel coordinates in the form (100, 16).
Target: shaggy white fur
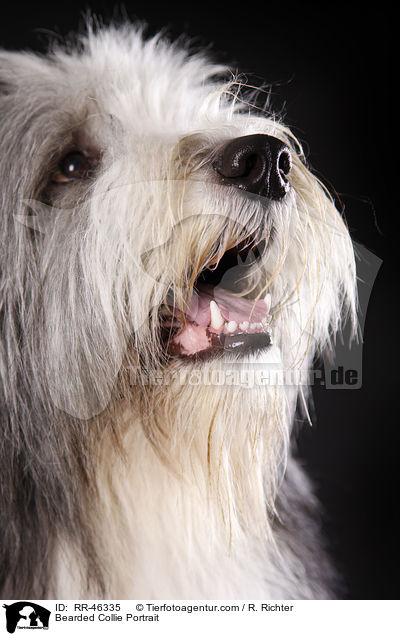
(143, 473)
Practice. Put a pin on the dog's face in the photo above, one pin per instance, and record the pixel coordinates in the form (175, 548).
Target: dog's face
(159, 220)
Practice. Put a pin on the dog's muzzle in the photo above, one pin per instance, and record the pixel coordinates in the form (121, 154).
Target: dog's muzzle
(256, 163)
(218, 318)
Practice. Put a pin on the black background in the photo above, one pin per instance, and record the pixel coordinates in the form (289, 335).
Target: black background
(328, 67)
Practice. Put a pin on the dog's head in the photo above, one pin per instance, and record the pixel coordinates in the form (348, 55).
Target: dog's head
(153, 219)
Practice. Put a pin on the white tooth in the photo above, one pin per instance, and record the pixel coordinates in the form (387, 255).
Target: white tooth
(231, 326)
(268, 301)
(264, 322)
(254, 325)
(216, 317)
(244, 325)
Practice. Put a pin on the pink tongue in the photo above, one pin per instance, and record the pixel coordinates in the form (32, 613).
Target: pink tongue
(231, 307)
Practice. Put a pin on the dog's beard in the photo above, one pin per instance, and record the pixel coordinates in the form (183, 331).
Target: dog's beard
(207, 449)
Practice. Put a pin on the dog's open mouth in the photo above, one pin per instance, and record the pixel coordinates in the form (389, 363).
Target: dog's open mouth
(217, 319)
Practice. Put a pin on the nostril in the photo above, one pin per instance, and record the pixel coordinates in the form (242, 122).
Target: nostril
(253, 167)
(238, 162)
(251, 162)
(284, 163)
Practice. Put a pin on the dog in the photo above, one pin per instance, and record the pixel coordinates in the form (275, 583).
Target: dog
(170, 268)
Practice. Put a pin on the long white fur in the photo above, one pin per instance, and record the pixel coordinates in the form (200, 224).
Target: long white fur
(184, 505)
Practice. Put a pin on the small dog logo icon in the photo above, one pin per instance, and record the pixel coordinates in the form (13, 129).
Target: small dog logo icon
(26, 615)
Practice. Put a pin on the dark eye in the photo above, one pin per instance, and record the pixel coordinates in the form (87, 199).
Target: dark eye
(75, 165)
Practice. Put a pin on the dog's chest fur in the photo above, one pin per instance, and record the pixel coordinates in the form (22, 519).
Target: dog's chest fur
(201, 530)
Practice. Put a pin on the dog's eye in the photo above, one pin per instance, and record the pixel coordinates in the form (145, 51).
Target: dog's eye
(75, 165)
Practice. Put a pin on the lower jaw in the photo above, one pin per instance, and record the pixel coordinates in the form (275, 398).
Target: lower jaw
(237, 345)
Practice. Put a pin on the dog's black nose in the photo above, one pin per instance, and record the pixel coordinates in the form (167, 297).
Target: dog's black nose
(257, 163)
